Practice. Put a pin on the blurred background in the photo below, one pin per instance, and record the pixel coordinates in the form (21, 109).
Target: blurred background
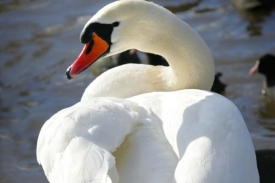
(40, 39)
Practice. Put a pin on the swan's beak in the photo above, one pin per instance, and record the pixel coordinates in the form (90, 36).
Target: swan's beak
(92, 51)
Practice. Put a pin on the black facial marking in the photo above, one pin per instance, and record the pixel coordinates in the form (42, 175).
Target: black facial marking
(102, 30)
(89, 49)
(68, 73)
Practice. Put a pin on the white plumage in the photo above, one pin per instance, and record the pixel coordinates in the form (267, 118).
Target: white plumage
(75, 145)
(184, 136)
(208, 134)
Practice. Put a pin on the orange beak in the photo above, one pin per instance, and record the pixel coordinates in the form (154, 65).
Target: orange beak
(90, 53)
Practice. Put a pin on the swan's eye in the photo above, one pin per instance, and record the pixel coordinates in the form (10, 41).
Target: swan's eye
(115, 24)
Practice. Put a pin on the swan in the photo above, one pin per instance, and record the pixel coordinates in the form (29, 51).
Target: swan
(191, 65)
(181, 137)
(177, 136)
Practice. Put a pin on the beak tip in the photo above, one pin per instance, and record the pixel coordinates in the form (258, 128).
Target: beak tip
(68, 73)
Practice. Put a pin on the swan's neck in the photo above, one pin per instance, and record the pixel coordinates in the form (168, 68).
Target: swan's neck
(191, 63)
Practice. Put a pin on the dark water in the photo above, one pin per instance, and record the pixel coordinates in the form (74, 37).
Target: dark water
(40, 39)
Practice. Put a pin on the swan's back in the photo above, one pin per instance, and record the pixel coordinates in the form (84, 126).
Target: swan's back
(208, 134)
(184, 136)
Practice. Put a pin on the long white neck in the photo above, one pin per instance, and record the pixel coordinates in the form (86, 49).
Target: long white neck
(153, 29)
(191, 63)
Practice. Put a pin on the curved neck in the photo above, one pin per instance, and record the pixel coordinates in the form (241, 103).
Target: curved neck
(191, 63)
(153, 29)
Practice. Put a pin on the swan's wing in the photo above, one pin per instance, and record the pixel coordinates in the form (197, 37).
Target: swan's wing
(75, 144)
(83, 161)
(146, 155)
(208, 134)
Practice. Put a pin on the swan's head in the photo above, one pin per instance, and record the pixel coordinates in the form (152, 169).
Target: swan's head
(112, 30)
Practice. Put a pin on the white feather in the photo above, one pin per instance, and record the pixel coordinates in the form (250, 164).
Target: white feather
(182, 136)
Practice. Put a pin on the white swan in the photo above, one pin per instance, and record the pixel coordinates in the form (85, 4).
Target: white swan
(159, 32)
(187, 137)
(182, 136)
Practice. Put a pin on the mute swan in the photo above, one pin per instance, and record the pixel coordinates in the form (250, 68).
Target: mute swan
(180, 136)
(191, 63)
